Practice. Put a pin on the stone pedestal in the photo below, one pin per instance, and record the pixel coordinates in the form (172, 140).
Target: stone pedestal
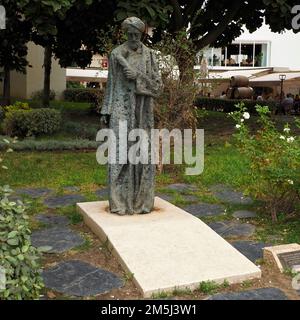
(272, 255)
(168, 248)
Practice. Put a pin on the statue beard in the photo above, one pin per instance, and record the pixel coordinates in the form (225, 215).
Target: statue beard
(134, 45)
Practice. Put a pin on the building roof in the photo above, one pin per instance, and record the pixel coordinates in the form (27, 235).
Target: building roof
(274, 77)
(226, 75)
(88, 75)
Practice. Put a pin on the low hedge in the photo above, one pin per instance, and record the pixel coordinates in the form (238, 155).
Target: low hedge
(22, 123)
(228, 105)
(38, 95)
(83, 95)
(30, 144)
(81, 130)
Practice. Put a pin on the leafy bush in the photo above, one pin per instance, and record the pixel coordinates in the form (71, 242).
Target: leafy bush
(229, 105)
(16, 106)
(18, 257)
(22, 123)
(74, 85)
(275, 161)
(38, 95)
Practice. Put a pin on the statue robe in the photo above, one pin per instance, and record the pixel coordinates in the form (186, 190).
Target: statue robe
(131, 186)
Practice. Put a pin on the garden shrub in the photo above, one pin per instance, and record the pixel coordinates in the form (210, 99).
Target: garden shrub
(274, 161)
(74, 85)
(22, 123)
(38, 95)
(16, 106)
(18, 258)
(229, 105)
(19, 261)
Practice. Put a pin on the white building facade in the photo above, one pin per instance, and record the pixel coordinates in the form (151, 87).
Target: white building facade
(261, 48)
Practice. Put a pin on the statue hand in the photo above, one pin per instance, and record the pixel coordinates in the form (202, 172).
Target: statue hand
(104, 120)
(130, 74)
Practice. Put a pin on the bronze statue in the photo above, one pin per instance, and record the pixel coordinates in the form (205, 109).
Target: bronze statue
(133, 81)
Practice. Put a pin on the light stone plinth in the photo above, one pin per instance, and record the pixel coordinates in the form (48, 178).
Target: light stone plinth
(271, 253)
(168, 248)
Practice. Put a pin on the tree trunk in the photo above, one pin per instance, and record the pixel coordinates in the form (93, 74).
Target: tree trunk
(186, 60)
(6, 87)
(47, 74)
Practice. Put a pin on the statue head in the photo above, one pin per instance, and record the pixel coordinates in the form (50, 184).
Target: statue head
(134, 27)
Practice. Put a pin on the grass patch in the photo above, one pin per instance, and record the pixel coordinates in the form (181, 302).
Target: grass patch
(161, 295)
(86, 245)
(71, 213)
(285, 230)
(53, 170)
(211, 287)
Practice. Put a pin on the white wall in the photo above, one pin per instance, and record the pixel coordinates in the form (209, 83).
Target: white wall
(23, 85)
(284, 48)
(35, 75)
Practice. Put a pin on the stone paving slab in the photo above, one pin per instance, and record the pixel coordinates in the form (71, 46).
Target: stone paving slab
(168, 248)
(204, 209)
(232, 228)
(34, 192)
(63, 201)
(251, 249)
(256, 294)
(227, 194)
(244, 214)
(52, 219)
(78, 278)
(60, 239)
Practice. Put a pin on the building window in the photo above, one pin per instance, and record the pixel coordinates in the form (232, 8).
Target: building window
(238, 54)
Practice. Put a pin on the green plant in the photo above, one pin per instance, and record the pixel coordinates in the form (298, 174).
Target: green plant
(128, 276)
(289, 272)
(18, 257)
(24, 123)
(247, 284)
(38, 95)
(20, 275)
(161, 295)
(208, 287)
(5, 149)
(74, 85)
(14, 107)
(82, 94)
(274, 161)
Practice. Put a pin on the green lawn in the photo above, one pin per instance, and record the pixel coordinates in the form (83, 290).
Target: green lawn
(58, 169)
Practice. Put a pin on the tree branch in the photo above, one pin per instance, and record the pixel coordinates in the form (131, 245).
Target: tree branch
(177, 14)
(195, 5)
(220, 28)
